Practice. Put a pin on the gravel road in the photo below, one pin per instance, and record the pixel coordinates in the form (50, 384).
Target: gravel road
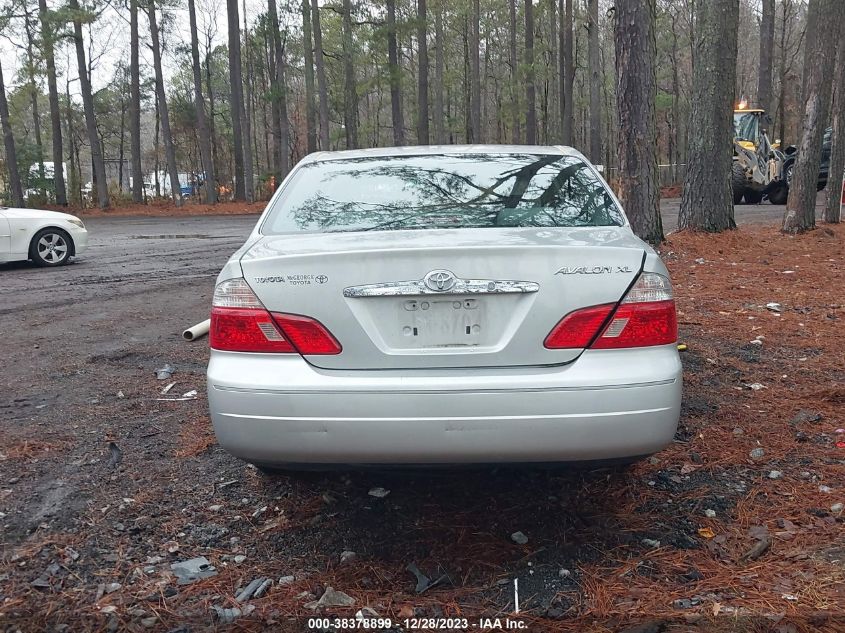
(763, 213)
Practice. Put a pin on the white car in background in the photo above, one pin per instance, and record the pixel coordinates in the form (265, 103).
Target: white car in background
(48, 238)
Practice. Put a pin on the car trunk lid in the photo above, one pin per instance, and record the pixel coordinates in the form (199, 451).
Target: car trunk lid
(444, 297)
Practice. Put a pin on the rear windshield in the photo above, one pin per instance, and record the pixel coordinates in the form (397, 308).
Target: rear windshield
(442, 191)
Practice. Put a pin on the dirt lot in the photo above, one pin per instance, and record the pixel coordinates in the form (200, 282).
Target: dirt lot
(103, 485)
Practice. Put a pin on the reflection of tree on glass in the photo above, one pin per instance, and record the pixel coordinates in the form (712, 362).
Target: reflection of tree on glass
(442, 191)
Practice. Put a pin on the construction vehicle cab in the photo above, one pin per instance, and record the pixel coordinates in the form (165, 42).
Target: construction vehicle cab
(749, 125)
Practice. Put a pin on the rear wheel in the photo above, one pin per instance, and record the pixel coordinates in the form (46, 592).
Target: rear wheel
(753, 197)
(779, 195)
(737, 182)
(51, 247)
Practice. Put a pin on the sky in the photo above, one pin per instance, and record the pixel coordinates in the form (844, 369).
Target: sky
(110, 44)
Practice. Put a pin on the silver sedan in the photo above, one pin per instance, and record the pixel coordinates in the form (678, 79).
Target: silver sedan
(478, 304)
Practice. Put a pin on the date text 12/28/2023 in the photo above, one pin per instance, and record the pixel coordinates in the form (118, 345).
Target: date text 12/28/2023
(415, 624)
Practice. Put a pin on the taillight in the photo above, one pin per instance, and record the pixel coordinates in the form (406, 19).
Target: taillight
(640, 325)
(246, 330)
(240, 323)
(645, 317)
(578, 329)
(307, 335)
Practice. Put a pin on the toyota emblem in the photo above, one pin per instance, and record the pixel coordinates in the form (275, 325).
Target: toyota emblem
(439, 280)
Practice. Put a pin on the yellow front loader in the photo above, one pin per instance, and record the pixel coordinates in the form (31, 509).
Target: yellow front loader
(758, 164)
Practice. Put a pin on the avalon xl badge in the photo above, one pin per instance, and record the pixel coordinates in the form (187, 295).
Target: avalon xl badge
(593, 270)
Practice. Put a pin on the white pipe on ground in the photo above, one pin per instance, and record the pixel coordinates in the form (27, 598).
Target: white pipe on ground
(198, 331)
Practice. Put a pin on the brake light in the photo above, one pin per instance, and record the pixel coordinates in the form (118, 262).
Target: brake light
(240, 323)
(645, 317)
(578, 329)
(308, 336)
(640, 325)
(246, 330)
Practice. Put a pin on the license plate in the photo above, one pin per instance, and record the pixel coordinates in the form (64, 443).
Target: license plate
(441, 322)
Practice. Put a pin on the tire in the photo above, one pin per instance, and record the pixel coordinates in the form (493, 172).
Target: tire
(779, 195)
(51, 247)
(738, 182)
(753, 197)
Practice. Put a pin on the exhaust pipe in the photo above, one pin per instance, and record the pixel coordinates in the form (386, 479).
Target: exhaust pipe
(198, 331)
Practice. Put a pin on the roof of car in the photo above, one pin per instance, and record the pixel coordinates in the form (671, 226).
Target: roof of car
(428, 150)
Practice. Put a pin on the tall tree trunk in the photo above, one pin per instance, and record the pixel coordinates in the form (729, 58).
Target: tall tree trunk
(466, 85)
(88, 105)
(199, 106)
(320, 65)
(279, 92)
(595, 80)
(135, 105)
(785, 6)
(530, 90)
(247, 54)
(246, 119)
(74, 184)
(475, 74)
(422, 75)
(567, 78)
(767, 40)
(707, 201)
(837, 150)
(350, 90)
(169, 148)
(15, 189)
(811, 29)
(33, 96)
(675, 130)
(47, 39)
(211, 122)
(395, 77)
(636, 54)
(439, 119)
(157, 146)
(121, 145)
(486, 87)
(310, 110)
(268, 71)
(820, 57)
(276, 120)
(514, 62)
(237, 101)
(608, 108)
(552, 120)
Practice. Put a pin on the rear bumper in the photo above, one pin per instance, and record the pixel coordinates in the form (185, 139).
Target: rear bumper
(609, 404)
